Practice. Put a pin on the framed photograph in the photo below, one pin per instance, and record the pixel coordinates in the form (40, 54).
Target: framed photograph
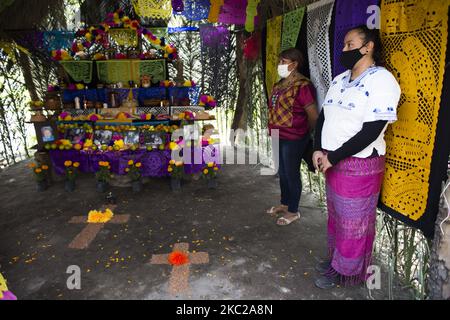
(131, 137)
(102, 137)
(75, 135)
(153, 138)
(47, 134)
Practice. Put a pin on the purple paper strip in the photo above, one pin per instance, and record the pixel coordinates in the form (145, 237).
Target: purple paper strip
(31, 40)
(212, 36)
(8, 295)
(349, 14)
(233, 12)
(177, 6)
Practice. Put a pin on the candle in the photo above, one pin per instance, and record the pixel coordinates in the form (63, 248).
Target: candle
(77, 103)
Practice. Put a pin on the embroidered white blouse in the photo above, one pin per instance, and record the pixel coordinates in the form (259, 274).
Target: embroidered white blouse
(373, 96)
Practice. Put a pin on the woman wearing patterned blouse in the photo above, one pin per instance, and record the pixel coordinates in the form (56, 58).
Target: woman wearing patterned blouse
(293, 112)
(350, 149)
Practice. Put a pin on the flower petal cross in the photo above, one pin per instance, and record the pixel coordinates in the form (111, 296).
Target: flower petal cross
(181, 259)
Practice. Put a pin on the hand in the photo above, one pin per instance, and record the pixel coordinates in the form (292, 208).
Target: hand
(317, 159)
(325, 164)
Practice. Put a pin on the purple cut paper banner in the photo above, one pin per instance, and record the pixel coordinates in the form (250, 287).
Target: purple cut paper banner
(233, 12)
(8, 295)
(178, 6)
(212, 36)
(31, 40)
(349, 14)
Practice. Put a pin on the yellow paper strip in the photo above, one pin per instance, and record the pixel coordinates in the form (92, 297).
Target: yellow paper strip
(273, 50)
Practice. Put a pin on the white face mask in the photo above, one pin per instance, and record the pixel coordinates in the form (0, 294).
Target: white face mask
(283, 70)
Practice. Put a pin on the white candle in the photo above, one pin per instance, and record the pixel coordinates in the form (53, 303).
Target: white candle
(77, 103)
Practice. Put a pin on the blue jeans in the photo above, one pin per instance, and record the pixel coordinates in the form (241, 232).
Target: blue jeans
(291, 153)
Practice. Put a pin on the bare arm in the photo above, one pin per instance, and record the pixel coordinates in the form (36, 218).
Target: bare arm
(313, 115)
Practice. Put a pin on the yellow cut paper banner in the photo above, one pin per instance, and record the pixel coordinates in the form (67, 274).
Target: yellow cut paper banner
(157, 9)
(273, 47)
(252, 12)
(124, 37)
(3, 286)
(214, 10)
(414, 34)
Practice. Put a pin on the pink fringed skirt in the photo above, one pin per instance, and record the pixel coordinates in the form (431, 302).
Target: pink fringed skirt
(353, 188)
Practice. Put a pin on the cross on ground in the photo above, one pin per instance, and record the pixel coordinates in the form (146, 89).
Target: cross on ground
(179, 277)
(90, 231)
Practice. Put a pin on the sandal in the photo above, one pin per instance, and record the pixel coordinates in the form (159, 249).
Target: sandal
(283, 221)
(274, 211)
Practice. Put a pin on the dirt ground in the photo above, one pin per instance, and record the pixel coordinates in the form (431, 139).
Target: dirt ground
(250, 257)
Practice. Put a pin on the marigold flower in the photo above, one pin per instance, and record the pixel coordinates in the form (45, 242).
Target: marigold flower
(67, 163)
(138, 165)
(95, 216)
(178, 163)
(44, 167)
(216, 169)
(210, 164)
(127, 169)
(172, 161)
(205, 171)
(38, 170)
(76, 164)
(173, 145)
(169, 169)
(130, 162)
(178, 258)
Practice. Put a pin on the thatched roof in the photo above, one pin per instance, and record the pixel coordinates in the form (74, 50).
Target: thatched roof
(26, 14)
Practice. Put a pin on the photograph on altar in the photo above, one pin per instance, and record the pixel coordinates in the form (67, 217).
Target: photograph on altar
(75, 135)
(102, 137)
(131, 137)
(47, 134)
(152, 138)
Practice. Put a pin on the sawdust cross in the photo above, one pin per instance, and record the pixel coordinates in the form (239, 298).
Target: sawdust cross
(90, 231)
(179, 277)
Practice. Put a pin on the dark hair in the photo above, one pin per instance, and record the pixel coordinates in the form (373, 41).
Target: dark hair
(295, 55)
(371, 35)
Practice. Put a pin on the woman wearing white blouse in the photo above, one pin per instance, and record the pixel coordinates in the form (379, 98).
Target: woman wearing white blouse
(350, 149)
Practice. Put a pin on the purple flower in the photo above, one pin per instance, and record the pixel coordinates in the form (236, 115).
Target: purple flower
(64, 115)
(204, 99)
